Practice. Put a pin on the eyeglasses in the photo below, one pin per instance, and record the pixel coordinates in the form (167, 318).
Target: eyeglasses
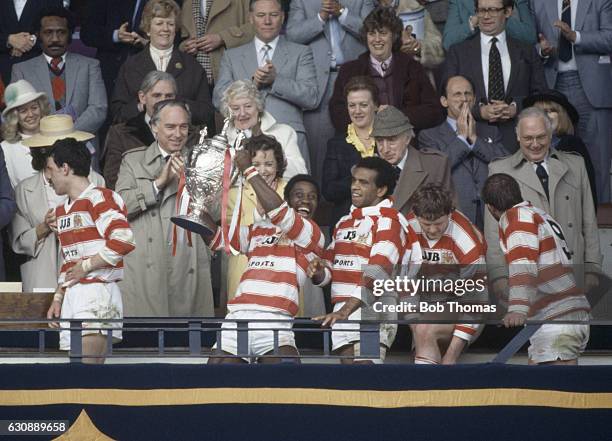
(493, 12)
(540, 139)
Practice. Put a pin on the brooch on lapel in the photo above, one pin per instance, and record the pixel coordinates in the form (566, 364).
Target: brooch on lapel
(179, 65)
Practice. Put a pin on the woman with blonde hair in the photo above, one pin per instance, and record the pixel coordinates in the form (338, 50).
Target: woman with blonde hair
(20, 120)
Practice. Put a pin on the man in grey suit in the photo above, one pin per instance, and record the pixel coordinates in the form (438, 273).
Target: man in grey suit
(332, 31)
(72, 82)
(469, 144)
(283, 71)
(503, 70)
(575, 40)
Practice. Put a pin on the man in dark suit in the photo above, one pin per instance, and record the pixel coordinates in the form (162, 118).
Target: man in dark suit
(393, 133)
(72, 82)
(503, 70)
(469, 144)
(17, 39)
(112, 27)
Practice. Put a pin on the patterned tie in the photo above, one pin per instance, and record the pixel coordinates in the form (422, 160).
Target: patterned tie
(384, 66)
(58, 85)
(542, 176)
(565, 46)
(496, 74)
(266, 54)
(201, 20)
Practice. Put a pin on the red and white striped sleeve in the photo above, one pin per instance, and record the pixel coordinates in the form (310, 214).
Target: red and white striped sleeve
(303, 232)
(387, 249)
(520, 241)
(110, 217)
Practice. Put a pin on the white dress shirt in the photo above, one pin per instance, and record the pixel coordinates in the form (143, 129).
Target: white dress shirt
(502, 47)
(377, 65)
(19, 5)
(402, 162)
(60, 65)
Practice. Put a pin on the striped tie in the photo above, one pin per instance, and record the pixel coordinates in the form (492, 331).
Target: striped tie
(266, 54)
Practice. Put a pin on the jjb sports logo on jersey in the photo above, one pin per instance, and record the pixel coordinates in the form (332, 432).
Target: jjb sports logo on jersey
(69, 222)
(438, 256)
(352, 236)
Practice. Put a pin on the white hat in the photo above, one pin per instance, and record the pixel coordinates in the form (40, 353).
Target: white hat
(19, 93)
(53, 128)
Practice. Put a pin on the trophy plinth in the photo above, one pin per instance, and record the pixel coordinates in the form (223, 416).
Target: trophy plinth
(193, 224)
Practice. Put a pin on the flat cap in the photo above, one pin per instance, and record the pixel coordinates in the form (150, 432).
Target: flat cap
(390, 121)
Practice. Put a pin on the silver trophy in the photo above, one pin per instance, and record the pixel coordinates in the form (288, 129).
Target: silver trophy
(204, 169)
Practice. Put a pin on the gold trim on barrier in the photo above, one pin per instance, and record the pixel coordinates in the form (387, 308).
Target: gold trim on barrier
(302, 396)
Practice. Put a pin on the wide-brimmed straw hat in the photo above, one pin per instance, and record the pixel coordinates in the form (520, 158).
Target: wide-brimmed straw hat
(390, 121)
(19, 93)
(53, 128)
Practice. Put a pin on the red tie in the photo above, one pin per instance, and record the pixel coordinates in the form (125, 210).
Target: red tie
(58, 85)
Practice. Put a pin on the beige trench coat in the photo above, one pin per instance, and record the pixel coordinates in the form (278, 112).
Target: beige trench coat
(155, 283)
(44, 258)
(571, 205)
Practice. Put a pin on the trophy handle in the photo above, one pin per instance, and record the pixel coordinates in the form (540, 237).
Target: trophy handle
(203, 134)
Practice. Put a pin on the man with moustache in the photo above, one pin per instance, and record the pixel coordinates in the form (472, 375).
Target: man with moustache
(72, 81)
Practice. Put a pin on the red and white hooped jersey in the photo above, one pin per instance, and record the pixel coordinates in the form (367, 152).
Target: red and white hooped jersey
(541, 280)
(459, 253)
(94, 223)
(278, 251)
(367, 245)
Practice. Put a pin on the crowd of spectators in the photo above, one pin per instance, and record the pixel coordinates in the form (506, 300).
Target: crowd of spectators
(334, 82)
